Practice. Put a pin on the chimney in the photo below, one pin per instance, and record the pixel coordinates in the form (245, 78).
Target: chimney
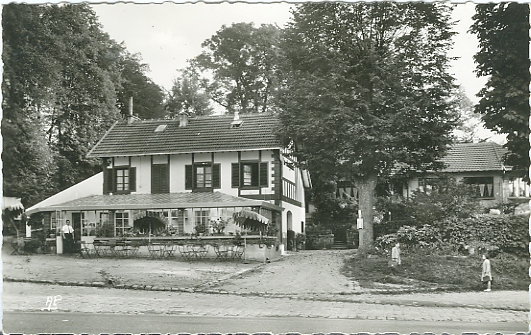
(130, 117)
(183, 119)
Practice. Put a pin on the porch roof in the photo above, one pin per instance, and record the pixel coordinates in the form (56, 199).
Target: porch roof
(155, 201)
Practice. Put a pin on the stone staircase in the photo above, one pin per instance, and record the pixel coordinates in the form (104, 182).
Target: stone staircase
(339, 245)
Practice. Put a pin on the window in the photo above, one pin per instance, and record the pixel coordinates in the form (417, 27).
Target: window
(122, 180)
(119, 180)
(484, 186)
(202, 177)
(121, 223)
(250, 175)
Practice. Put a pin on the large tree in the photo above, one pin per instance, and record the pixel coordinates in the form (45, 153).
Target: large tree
(59, 96)
(503, 57)
(241, 60)
(188, 94)
(366, 91)
(148, 97)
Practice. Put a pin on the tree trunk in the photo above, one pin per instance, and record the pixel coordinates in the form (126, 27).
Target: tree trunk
(366, 190)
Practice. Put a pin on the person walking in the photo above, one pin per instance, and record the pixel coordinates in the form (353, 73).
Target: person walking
(486, 275)
(68, 237)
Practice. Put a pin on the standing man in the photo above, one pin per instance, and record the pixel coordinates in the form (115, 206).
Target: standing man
(68, 237)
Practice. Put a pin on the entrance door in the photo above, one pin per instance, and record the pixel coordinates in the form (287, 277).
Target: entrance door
(76, 224)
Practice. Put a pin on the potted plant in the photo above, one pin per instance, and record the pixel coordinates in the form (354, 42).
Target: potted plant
(219, 226)
(200, 228)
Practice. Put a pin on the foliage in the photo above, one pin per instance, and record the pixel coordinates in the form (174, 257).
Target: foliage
(200, 228)
(435, 272)
(147, 96)
(188, 94)
(445, 200)
(318, 237)
(241, 59)
(59, 95)
(503, 57)
(505, 233)
(105, 230)
(219, 225)
(64, 84)
(425, 237)
(365, 90)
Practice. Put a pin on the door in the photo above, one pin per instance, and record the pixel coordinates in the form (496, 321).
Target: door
(76, 224)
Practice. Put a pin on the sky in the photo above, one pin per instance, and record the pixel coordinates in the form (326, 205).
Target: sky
(167, 35)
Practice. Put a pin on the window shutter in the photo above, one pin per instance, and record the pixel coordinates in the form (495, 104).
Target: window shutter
(188, 178)
(132, 179)
(216, 176)
(107, 181)
(254, 174)
(264, 180)
(235, 175)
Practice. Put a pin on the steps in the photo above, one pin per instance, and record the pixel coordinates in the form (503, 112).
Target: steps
(339, 245)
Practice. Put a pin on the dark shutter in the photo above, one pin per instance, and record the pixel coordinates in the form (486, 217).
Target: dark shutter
(159, 179)
(235, 175)
(254, 174)
(264, 180)
(132, 179)
(216, 176)
(188, 178)
(107, 181)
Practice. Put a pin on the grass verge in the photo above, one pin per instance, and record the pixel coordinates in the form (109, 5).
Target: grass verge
(422, 271)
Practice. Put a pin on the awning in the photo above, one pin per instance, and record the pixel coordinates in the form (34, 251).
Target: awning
(148, 202)
(249, 219)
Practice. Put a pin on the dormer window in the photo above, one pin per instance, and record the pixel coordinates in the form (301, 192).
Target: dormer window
(236, 124)
(161, 128)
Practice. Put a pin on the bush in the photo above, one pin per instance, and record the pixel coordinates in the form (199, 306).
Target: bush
(505, 233)
(425, 237)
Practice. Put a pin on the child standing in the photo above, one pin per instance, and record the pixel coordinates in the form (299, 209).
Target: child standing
(486, 275)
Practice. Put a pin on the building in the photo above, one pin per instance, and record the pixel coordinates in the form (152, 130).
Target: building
(173, 175)
(481, 165)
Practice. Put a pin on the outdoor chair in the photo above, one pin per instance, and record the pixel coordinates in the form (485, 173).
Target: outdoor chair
(221, 252)
(86, 251)
(236, 252)
(170, 249)
(156, 250)
(186, 252)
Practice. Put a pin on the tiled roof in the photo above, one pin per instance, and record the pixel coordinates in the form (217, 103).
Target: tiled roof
(464, 157)
(157, 201)
(202, 134)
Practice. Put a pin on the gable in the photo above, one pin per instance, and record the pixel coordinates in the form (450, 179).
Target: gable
(201, 134)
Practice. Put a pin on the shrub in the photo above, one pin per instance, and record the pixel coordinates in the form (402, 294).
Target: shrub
(425, 237)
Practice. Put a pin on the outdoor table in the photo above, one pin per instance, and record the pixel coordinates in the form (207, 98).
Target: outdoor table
(102, 249)
(199, 251)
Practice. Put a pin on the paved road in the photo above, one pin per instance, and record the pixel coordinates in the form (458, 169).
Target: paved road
(55, 322)
(26, 297)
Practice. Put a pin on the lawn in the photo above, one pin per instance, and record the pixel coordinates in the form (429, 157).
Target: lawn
(440, 272)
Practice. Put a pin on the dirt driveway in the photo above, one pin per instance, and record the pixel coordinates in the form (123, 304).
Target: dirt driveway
(304, 272)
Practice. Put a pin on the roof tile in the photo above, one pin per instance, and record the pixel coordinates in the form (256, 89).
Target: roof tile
(202, 134)
(468, 157)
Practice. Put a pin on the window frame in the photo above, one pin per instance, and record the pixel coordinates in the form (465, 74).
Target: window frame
(476, 181)
(191, 171)
(258, 179)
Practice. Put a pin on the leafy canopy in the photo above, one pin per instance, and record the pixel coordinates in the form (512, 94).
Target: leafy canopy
(503, 57)
(365, 91)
